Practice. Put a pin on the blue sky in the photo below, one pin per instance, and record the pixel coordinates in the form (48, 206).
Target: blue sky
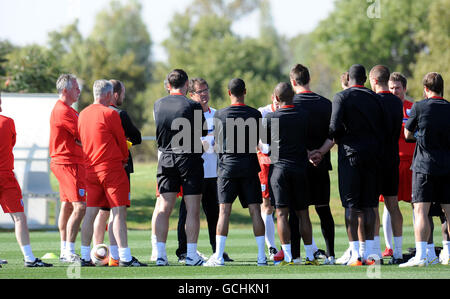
(28, 21)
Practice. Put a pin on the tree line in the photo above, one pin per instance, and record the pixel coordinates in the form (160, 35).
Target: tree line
(409, 36)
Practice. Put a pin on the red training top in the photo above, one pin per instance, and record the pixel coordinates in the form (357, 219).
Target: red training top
(64, 134)
(7, 142)
(103, 138)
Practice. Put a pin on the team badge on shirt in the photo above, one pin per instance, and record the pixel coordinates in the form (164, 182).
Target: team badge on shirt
(82, 192)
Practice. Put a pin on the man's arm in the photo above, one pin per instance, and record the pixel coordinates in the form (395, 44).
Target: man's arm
(336, 121)
(411, 125)
(131, 132)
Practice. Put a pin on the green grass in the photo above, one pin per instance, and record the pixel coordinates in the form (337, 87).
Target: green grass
(241, 246)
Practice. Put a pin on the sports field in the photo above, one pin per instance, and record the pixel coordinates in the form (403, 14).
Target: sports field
(241, 246)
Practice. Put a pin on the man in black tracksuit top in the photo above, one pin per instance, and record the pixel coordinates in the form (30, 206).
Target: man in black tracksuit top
(358, 127)
(237, 137)
(287, 135)
(318, 133)
(179, 128)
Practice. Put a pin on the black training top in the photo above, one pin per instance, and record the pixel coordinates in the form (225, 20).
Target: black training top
(393, 108)
(287, 134)
(131, 132)
(358, 124)
(430, 118)
(237, 135)
(318, 125)
(179, 125)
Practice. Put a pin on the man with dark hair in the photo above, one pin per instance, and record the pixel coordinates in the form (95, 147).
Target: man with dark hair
(199, 92)
(237, 137)
(179, 128)
(289, 181)
(357, 126)
(429, 125)
(134, 137)
(379, 80)
(319, 108)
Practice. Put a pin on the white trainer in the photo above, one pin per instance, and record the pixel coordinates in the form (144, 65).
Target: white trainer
(329, 261)
(345, 258)
(195, 261)
(415, 262)
(162, 262)
(213, 261)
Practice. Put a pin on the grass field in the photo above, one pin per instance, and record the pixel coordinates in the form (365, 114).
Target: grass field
(241, 246)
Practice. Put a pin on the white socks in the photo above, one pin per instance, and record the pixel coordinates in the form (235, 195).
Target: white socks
(28, 253)
(387, 228)
(270, 230)
(287, 252)
(161, 248)
(261, 242)
(191, 250)
(421, 250)
(309, 252)
(398, 251)
(125, 254)
(86, 253)
(63, 247)
(220, 246)
(114, 252)
(354, 247)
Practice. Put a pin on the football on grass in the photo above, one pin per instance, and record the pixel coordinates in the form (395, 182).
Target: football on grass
(100, 255)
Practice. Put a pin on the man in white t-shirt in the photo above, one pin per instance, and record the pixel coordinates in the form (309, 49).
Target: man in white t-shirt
(199, 92)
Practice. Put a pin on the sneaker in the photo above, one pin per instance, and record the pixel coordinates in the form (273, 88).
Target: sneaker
(388, 252)
(284, 263)
(162, 262)
(314, 262)
(279, 256)
(113, 263)
(37, 264)
(196, 261)
(444, 258)
(355, 263)
(297, 261)
(345, 258)
(330, 261)
(3, 262)
(396, 261)
(84, 263)
(320, 254)
(133, 263)
(226, 258)
(262, 262)
(272, 252)
(433, 261)
(415, 262)
(213, 261)
(70, 258)
(182, 258)
(204, 257)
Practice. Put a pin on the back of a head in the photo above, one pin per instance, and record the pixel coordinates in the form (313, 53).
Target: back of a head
(65, 81)
(237, 87)
(300, 74)
(434, 82)
(117, 86)
(380, 73)
(102, 88)
(357, 74)
(177, 78)
(285, 93)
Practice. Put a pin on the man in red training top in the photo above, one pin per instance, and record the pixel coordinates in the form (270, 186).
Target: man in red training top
(10, 192)
(67, 164)
(106, 153)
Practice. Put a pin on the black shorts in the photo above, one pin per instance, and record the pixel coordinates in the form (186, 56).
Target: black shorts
(358, 185)
(176, 170)
(430, 188)
(290, 189)
(390, 178)
(248, 189)
(319, 185)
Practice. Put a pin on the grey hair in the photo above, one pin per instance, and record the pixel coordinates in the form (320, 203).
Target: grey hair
(102, 87)
(65, 82)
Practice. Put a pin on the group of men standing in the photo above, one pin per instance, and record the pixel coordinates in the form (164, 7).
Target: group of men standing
(275, 158)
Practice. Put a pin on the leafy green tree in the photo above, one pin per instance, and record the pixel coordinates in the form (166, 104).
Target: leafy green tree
(31, 69)
(436, 55)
